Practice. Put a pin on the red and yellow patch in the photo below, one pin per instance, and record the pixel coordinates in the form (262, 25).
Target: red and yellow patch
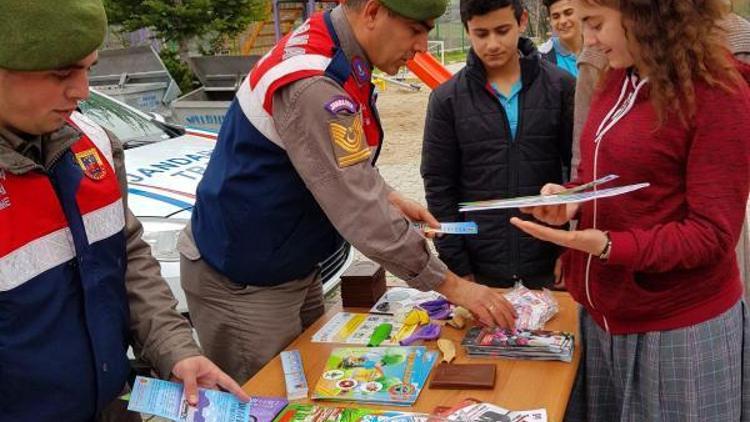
(91, 163)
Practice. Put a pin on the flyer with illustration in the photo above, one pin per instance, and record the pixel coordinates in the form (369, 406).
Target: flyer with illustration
(383, 375)
(313, 413)
(167, 400)
(356, 328)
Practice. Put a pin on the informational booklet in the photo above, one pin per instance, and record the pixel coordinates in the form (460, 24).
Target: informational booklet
(314, 413)
(471, 410)
(570, 196)
(167, 400)
(356, 328)
(382, 375)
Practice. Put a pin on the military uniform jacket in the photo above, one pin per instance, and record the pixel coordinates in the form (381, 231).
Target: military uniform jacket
(293, 170)
(76, 280)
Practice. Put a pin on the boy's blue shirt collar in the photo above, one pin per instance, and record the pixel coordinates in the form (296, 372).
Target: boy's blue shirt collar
(560, 48)
(515, 89)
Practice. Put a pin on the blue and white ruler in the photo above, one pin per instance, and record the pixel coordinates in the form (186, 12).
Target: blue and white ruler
(467, 227)
(294, 375)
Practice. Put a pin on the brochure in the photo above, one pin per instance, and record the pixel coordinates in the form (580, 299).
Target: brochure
(475, 411)
(570, 196)
(167, 400)
(382, 375)
(354, 328)
(313, 413)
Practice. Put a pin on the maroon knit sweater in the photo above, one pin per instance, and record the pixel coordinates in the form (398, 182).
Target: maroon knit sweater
(673, 261)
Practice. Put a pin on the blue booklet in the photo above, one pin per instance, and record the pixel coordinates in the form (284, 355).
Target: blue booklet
(167, 400)
(381, 375)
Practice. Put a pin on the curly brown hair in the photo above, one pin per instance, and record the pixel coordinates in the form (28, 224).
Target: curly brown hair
(678, 43)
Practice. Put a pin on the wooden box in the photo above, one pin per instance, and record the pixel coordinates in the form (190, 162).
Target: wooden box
(362, 284)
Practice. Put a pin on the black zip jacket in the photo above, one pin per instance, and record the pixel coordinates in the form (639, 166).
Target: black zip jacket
(468, 155)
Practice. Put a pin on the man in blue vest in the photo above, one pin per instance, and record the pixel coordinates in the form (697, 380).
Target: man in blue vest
(77, 283)
(293, 175)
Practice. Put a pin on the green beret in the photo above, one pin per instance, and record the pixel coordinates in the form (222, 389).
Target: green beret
(419, 10)
(49, 34)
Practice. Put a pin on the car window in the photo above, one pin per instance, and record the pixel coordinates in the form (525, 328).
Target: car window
(131, 128)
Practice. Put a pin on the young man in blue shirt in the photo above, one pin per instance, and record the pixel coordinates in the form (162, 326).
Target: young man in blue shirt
(499, 128)
(566, 43)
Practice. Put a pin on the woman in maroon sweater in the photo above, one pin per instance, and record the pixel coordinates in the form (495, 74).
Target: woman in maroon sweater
(665, 334)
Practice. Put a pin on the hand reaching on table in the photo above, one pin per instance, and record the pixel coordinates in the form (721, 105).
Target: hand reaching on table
(488, 306)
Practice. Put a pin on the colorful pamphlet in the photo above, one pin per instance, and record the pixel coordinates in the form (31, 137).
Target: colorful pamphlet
(519, 344)
(313, 413)
(167, 400)
(354, 328)
(569, 196)
(382, 375)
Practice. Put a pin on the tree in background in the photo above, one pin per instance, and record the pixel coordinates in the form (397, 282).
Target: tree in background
(178, 22)
(539, 27)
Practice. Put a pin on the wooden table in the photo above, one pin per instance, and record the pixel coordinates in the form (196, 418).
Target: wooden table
(519, 385)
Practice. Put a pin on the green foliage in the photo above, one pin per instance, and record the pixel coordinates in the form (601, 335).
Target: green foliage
(183, 20)
(178, 69)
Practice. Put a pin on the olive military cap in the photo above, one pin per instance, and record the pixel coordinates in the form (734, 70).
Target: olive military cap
(49, 34)
(419, 10)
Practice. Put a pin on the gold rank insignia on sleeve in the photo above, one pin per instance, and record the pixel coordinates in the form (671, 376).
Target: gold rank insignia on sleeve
(348, 138)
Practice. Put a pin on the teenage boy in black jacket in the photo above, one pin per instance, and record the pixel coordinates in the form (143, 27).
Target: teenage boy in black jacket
(500, 128)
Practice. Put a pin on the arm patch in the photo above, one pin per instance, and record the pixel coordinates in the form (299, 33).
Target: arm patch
(348, 140)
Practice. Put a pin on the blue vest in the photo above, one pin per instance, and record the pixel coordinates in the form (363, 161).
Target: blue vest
(63, 307)
(254, 219)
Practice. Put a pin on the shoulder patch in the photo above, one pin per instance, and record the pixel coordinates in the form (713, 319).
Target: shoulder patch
(91, 164)
(348, 140)
(361, 70)
(341, 103)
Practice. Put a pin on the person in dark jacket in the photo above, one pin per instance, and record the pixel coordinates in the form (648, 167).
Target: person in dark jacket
(499, 128)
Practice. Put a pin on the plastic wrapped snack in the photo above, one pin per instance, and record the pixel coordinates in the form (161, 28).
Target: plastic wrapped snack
(534, 307)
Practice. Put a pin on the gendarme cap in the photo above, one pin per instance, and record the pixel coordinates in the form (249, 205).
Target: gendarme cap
(49, 34)
(419, 10)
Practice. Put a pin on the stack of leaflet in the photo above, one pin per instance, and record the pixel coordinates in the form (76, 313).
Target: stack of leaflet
(519, 344)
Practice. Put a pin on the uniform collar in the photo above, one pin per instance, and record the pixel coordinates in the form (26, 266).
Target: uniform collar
(348, 42)
(22, 154)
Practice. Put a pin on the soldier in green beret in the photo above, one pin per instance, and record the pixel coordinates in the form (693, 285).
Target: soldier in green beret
(78, 285)
(293, 176)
